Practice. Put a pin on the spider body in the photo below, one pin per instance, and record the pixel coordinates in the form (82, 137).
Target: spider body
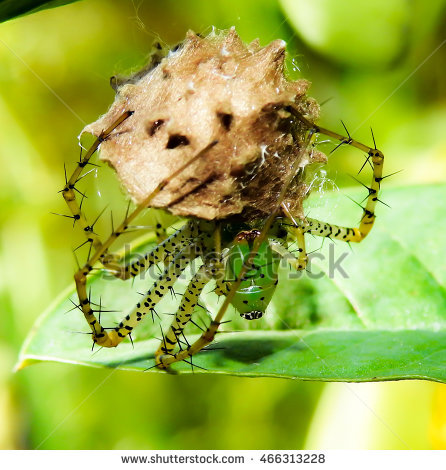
(214, 133)
(259, 283)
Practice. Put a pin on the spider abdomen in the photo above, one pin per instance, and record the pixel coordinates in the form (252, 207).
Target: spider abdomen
(259, 282)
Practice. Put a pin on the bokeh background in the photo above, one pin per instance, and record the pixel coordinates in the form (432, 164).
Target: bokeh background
(378, 64)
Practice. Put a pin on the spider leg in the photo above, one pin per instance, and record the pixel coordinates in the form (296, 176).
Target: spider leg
(182, 238)
(165, 360)
(166, 280)
(223, 285)
(347, 234)
(184, 313)
(161, 233)
(69, 189)
(297, 234)
(298, 263)
(161, 253)
(218, 266)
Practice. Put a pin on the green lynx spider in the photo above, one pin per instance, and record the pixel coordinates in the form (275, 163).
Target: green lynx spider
(202, 237)
(233, 254)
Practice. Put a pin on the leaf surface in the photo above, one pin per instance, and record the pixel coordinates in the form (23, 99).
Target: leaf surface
(10, 9)
(381, 315)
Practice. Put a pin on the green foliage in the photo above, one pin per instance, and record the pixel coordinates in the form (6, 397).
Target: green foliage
(11, 8)
(362, 34)
(386, 320)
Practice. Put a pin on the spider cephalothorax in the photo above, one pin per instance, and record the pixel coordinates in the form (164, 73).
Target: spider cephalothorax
(215, 133)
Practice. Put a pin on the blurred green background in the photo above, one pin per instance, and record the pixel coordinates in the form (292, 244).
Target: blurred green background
(376, 63)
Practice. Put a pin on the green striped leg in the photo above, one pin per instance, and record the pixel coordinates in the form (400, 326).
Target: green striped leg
(346, 234)
(184, 313)
(181, 240)
(163, 252)
(162, 285)
(68, 191)
(222, 285)
(297, 235)
(353, 234)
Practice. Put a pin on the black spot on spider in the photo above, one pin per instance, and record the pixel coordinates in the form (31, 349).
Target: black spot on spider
(225, 119)
(154, 126)
(177, 140)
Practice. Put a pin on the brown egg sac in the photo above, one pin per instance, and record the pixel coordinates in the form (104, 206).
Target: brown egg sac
(213, 88)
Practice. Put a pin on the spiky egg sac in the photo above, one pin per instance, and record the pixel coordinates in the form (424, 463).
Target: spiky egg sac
(213, 88)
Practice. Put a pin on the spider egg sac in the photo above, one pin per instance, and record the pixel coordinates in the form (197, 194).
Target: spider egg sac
(211, 89)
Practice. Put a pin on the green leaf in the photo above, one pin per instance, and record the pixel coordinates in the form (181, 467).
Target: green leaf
(343, 31)
(385, 321)
(11, 8)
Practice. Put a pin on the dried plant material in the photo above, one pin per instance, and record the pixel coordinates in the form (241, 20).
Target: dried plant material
(214, 88)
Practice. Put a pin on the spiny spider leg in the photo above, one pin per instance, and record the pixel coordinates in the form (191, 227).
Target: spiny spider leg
(184, 313)
(69, 189)
(187, 237)
(161, 253)
(166, 280)
(297, 234)
(321, 229)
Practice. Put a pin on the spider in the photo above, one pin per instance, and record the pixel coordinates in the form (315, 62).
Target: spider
(214, 133)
